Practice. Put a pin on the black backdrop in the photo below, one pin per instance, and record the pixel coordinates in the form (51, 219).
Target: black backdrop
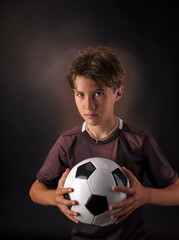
(38, 41)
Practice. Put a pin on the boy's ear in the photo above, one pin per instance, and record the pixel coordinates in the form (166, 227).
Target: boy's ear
(119, 92)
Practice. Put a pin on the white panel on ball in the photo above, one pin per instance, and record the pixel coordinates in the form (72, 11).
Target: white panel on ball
(103, 163)
(85, 215)
(81, 191)
(103, 219)
(101, 182)
(70, 177)
(116, 197)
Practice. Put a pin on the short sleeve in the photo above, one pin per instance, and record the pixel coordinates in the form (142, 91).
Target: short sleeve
(157, 167)
(54, 165)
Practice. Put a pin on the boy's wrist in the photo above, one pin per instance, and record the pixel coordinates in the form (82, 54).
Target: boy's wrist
(148, 195)
(52, 200)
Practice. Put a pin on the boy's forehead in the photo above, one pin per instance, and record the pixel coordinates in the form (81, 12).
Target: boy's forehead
(80, 83)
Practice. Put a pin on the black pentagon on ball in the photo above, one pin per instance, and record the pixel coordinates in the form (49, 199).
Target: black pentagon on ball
(85, 170)
(97, 204)
(119, 177)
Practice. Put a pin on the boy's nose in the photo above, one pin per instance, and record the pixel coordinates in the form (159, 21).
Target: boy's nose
(90, 103)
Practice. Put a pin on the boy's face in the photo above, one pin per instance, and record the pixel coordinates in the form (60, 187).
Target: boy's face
(95, 105)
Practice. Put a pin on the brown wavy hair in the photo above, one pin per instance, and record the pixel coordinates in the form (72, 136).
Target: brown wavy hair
(100, 64)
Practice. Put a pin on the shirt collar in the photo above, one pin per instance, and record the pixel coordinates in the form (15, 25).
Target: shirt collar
(120, 125)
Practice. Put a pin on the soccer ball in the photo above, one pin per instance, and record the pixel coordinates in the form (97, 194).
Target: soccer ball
(92, 181)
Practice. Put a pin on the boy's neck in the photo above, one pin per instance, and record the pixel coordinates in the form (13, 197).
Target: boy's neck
(100, 132)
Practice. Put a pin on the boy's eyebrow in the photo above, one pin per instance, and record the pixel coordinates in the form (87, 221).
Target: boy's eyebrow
(76, 90)
(99, 89)
(96, 90)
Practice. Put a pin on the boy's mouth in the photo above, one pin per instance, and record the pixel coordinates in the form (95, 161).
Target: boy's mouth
(91, 115)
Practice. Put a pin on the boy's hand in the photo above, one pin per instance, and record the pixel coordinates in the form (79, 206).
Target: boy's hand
(63, 203)
(137, 195)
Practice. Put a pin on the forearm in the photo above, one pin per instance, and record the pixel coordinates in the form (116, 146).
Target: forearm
(39, 193)
(168, 196)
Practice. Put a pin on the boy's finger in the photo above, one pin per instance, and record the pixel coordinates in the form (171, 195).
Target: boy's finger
(120, 205)
(70, 214)
(66, 202)
(129, 174)
(63, 178)
(62, 191)
(126, 190)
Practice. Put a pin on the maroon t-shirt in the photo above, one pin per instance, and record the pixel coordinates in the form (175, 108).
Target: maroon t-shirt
(130, 147)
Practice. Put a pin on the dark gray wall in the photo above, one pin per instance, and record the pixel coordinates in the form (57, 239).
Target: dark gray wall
(38, 41)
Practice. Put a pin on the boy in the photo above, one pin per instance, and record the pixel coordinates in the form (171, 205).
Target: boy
(96, 77)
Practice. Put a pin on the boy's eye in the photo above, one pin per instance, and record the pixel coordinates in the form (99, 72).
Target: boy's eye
(97, 94)
(79, 95)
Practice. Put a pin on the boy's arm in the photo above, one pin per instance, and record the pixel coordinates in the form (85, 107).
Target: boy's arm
(168, 196)
(41, 194)
(139, 195)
